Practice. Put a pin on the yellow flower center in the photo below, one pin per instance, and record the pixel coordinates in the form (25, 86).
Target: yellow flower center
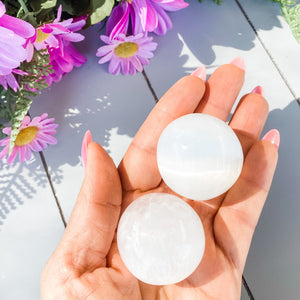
(41, 36)
(26, 135)
(126, 49)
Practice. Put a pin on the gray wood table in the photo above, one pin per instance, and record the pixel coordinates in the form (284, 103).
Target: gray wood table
(114, 107)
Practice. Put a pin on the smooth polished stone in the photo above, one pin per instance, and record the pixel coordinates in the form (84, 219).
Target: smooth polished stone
(199, 156)
(160, 239)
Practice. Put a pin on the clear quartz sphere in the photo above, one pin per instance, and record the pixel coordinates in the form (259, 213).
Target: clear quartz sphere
(199, 156)
(160, 239)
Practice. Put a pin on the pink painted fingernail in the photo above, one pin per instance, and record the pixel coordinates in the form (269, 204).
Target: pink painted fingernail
(200, 72)
(258, 90)
(239, 62)
(86, 140)
(273, 136)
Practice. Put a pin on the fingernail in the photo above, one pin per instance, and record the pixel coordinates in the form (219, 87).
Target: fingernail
(86, 140)
(239, 62)
(200, 72)
(258, 90)
(273, 136)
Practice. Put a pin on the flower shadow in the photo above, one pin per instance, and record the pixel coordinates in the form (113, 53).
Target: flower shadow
(18, 183)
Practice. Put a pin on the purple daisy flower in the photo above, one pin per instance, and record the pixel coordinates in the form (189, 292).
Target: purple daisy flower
(127, 53)
(13, 35)
(34, 135)
(142, 15)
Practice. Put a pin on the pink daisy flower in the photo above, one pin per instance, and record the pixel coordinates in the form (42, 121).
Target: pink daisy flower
(57, 38)
(127, 53)
(47, 33)
(13, 35)
(137, 16)
(63, 62)
(34, 135)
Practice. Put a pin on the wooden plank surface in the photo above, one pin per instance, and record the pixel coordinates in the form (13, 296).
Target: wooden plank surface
(113, 108)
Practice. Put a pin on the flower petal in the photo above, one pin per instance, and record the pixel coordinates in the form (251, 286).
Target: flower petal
(59, 11)
(12, 157)
(73, 37)
(146, 54)
(25, 122)
(12, 82)
(22, 153)
(28, 153)
(118, 20)
(2, 9)
(144, 61)
(136, 63)
(65, 63)
(35, 146)
(7, 130)
(104, 50)
(164, 21)
(52, 41)
(152, 18)
(46, 138)
(18, 26)
(125, 66)
(77, 25)
(132, 69)
(139, 17)
(105, 39)
(171, 5)
(114, 66)
(105, 58)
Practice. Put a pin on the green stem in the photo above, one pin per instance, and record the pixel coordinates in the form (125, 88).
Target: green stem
(24, 7)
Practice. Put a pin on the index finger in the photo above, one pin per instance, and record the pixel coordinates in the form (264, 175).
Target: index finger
(138, 169)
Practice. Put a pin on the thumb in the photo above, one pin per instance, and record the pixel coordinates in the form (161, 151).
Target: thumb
(94, 219)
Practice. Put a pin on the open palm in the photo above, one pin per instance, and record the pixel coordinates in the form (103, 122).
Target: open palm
(87, 264)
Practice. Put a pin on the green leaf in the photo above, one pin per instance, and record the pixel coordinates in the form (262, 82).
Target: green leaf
(8, 99)
(48, 4)
(37, 5)
(99, 10)
(36, 68)
(22, 107)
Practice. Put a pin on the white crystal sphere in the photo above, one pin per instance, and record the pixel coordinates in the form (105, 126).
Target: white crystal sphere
(160, 239)
(199, 156)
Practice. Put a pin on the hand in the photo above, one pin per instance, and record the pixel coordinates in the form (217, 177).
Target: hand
(87, 264)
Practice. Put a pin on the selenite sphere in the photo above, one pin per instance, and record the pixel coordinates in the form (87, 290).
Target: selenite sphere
(160, 239)
(199, 156)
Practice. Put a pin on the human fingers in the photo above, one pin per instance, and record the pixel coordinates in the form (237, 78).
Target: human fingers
(93, 221)
(222, 89)
(138, 169)
(238, 215)
(249, 118)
